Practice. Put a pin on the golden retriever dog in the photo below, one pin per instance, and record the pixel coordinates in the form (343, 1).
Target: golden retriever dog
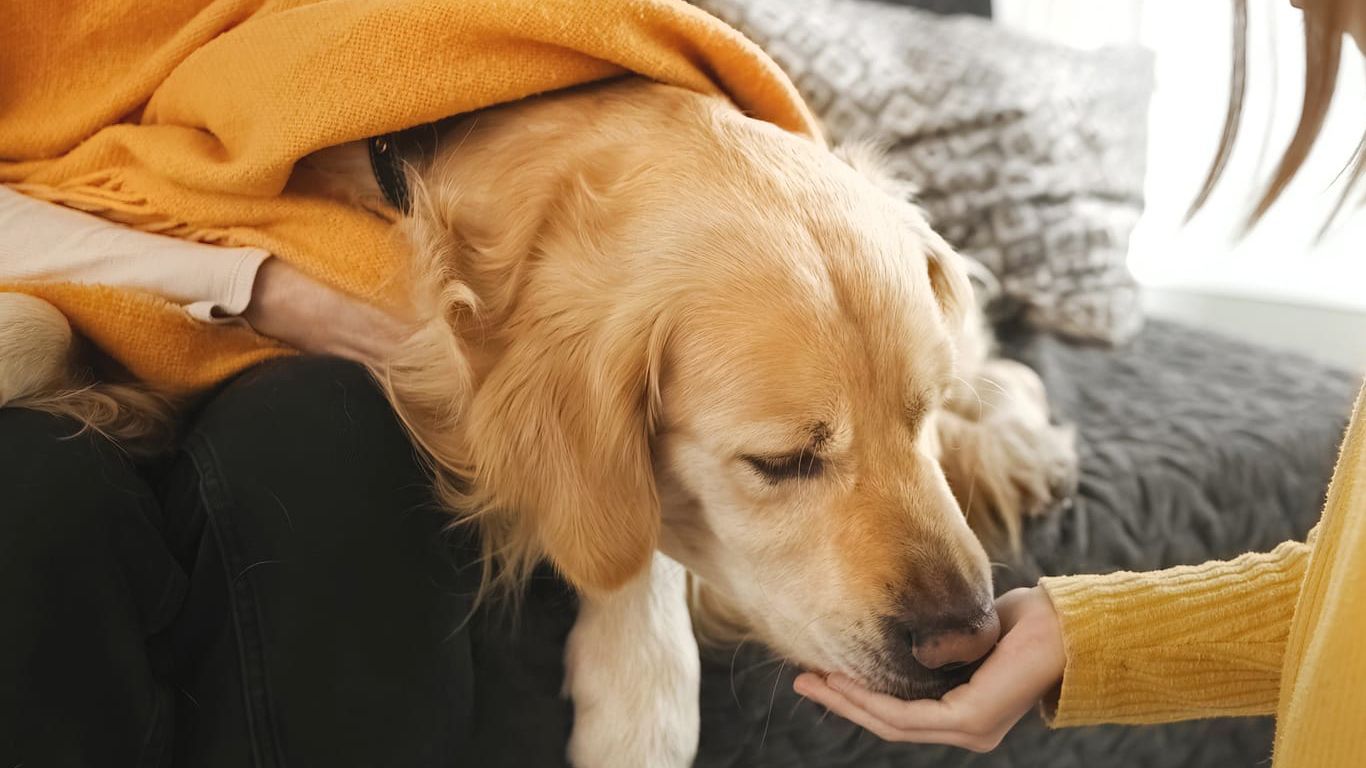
(693, 360)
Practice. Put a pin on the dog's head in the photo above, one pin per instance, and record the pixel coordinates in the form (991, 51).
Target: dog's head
(699, 334)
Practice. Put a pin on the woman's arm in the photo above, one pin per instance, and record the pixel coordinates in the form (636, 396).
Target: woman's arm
(40, 241)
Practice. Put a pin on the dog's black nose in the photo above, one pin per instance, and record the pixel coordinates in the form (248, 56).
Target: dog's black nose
(952, 645)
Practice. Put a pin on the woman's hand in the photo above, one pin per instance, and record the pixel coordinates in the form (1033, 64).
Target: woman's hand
(292, 307)
(1025, 666)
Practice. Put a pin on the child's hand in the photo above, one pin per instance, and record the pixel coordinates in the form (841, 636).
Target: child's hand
(1025, 666)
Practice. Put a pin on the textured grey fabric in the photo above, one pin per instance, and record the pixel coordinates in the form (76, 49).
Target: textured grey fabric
(1192, 447)
(1029, 156)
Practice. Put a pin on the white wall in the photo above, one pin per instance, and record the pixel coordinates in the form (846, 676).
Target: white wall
(1278, 260)
(1276, 285)
(1078, 23)
(1332, 335)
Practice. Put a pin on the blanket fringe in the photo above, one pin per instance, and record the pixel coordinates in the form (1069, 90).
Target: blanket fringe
(105, 194)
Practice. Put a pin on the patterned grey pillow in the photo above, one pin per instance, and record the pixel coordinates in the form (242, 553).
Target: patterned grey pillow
(1028, 156)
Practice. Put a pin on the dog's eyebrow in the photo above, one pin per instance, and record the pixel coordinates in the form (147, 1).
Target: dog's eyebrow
(916, 408)
(820, 435)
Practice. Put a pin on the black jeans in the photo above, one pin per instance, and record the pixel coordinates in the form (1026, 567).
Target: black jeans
(280, 592)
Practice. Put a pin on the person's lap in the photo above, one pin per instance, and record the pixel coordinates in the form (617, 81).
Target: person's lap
(84, 583)
(281, 591)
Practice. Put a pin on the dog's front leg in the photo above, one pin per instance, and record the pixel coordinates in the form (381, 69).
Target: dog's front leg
(632, 671)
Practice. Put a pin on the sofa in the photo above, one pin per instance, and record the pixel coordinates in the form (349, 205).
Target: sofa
(1193, 446)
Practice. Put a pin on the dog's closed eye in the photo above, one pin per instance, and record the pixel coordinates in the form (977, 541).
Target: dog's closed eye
(775, 469)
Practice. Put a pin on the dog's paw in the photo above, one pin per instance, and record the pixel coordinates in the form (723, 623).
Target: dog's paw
(1003, 457)
(1005, 470)
(610, 734)
(633, 673)
(643, 713)
(1039, 469)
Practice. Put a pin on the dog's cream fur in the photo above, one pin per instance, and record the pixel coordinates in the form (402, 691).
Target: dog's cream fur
(35, 347)
(637, 302)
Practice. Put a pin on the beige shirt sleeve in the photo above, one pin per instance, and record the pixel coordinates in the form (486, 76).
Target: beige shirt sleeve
(40, 241)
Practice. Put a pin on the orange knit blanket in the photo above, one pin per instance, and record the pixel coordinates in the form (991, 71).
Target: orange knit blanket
(186, 117)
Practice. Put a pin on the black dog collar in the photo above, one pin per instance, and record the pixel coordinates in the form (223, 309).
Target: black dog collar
(391, 155)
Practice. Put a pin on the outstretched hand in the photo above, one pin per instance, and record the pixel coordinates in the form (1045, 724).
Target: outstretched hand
(1026, 666)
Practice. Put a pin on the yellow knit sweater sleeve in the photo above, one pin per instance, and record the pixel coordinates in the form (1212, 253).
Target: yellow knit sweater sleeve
(1187, 642)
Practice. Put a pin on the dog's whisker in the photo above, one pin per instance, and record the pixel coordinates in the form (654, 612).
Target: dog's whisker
(772, 697)
(996, 385)
(288, 520)
(253, 566)
(973, 389)
(972, 492)
(776, 660)
(733, 693)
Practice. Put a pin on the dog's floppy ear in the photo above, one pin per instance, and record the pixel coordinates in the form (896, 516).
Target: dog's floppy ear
(542, 412)
(560, 434)
(559, 429)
